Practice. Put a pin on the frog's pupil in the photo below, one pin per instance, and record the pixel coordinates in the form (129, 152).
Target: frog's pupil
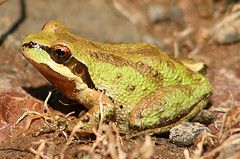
(60, 52)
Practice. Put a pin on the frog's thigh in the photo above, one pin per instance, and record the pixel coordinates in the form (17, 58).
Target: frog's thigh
(166, 106)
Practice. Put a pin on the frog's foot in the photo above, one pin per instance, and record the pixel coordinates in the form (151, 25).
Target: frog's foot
(54, 122)
(60, 124)
(57, 124)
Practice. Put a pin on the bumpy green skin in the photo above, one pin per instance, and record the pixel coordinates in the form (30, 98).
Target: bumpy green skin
(151, 91)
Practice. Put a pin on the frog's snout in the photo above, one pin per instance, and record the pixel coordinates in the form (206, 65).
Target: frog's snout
(23, 47)
(26, 45)
(24, 50)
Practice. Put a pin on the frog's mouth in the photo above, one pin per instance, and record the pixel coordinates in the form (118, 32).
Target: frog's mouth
(62, 83)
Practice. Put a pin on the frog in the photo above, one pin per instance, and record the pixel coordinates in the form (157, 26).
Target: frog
(137, 86)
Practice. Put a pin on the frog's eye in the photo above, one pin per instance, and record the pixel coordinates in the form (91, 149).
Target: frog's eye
(60, 53)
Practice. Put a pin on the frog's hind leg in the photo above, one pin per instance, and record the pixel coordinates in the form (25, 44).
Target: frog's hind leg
(168, 107)
(167, 127)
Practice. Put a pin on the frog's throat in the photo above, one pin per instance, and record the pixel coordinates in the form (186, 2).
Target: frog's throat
(64, 84)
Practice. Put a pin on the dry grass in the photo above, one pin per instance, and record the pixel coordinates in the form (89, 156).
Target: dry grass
(109, 144)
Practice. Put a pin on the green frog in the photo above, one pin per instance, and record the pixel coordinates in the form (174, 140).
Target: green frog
(137, 86)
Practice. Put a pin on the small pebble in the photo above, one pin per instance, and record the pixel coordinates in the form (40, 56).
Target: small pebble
(158, 13)
(185, 133)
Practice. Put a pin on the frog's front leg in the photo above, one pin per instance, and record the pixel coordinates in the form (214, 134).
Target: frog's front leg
(96, 102)
(169, 106)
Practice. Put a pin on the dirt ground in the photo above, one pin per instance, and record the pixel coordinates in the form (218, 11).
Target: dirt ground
(203, 30)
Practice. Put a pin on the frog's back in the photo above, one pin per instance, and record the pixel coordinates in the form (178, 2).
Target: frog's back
(135, 52)
(147, 59)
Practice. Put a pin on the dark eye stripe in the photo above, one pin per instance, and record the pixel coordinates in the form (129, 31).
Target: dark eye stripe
(36, 45)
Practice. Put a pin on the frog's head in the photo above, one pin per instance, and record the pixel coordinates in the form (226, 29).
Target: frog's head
(52, 51)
